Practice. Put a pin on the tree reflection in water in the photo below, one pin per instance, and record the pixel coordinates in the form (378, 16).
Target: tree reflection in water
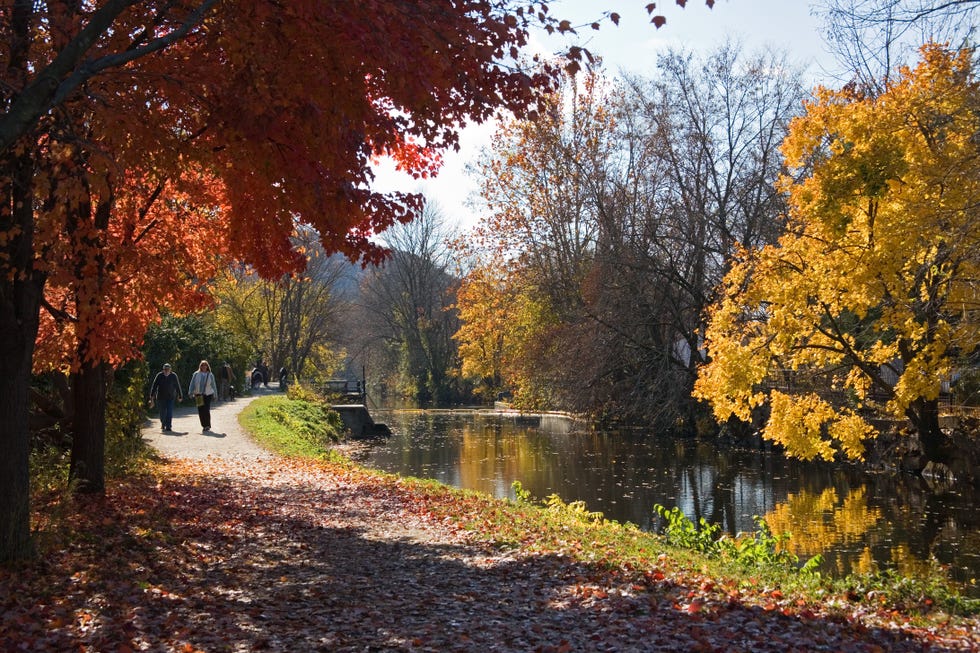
(857, 521)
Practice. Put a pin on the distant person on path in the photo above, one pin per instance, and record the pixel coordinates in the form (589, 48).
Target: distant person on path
(203, 388)
(264, 370)
(225, 376)
(164, 391)
(283, 378)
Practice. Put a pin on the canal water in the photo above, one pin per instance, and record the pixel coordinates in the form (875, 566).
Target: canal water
(857, 521)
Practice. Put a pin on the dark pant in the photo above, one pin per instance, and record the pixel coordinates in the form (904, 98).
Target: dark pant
(166, 413)
(204, 411)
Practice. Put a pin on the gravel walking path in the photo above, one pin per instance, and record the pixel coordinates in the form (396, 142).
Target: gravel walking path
(265, 553)
(226, 439)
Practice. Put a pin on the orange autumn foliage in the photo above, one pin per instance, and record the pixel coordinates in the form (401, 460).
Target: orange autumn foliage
(293, 104)
(283, 105)
(107, 285)
(266, 116)
(282, 109)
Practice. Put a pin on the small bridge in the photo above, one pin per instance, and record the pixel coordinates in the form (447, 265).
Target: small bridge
(352, 408)
(350, 392)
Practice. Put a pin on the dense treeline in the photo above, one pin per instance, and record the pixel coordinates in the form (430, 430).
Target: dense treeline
(802, 265)
(612, 222)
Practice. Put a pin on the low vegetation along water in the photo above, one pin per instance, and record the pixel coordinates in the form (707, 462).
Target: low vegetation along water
(857, 521)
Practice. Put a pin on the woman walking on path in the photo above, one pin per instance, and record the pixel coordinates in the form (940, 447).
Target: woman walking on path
(203, 388)
(166, 389)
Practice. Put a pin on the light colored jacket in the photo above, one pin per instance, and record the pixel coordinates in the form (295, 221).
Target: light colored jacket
(202, 383)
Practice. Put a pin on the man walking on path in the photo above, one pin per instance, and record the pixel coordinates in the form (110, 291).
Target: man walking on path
(225, 377)
(164, 391)
(226, 439)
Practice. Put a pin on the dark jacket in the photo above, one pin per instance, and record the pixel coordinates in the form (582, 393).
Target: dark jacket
(165, 387)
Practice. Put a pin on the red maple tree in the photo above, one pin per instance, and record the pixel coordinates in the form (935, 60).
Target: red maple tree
(285, 105)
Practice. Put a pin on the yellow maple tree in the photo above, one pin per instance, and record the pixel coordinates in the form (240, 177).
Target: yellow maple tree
(502, 319)
(870, 298)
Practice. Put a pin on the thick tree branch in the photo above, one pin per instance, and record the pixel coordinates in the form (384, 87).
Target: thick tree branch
(69, 70)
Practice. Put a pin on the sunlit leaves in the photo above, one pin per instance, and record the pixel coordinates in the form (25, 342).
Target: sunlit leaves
(502, 321)
(537, 244)
(135, 245)
(291, 320)
(871, 293)
(217, 555)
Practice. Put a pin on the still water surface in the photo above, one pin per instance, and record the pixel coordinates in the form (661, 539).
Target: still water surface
(857, 521)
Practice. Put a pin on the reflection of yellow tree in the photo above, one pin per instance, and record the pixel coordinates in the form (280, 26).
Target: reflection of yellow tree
(820, 522)
(907, 564)
(486, 462)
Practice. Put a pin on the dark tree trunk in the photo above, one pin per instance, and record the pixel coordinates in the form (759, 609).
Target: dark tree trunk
(20, 296)
(924, 415)
(87, 469)
(18, 330)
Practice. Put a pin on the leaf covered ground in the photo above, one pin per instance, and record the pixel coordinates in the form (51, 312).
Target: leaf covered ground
(278, 554)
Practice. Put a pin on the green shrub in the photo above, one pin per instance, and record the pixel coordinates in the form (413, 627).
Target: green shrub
(576, 510)
(759, 548)
(125, 451)
(680, 531)
(300, 392)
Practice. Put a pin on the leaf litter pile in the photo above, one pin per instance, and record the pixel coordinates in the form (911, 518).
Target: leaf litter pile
(288, 555)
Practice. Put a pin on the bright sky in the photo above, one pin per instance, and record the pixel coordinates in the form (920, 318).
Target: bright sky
(633, 46)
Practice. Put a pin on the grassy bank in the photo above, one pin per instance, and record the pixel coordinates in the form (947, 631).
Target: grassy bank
(753, 566)
(295, 425)
(692, 569)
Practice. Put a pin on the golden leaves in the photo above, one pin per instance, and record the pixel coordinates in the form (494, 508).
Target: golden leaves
(857, 302)
(796, 423)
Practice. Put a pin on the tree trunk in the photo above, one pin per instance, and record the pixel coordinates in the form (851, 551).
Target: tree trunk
(18, 329)
(924, 415)
(20, 296)
(87, 469)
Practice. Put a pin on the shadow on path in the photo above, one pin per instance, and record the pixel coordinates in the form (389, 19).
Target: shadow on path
(277, 558)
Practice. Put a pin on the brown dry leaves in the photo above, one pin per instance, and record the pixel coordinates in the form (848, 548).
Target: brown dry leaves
(294, 556)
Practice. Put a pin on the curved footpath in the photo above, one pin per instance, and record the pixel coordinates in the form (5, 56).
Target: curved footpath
(271, 554)
(225, 440)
